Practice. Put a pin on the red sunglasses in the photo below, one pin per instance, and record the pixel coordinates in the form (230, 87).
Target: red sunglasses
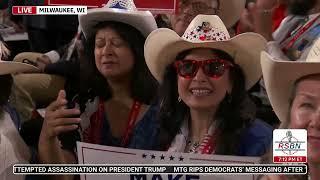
(213, 68)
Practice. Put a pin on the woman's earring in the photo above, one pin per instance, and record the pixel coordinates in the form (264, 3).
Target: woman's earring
(179, 99)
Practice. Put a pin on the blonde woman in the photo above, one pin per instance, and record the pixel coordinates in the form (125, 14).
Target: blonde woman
(294, 92)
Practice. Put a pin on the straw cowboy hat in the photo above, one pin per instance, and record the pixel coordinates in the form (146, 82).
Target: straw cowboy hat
(10, 67)
(121, 11)
(230, 11)
(280, 77)
(205, 31)
(30, 56)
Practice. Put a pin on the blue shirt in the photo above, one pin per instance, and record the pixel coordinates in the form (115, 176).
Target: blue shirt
(144, 135)
(256, 139)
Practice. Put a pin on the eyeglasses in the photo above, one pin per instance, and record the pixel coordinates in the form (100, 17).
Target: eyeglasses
(213, 68)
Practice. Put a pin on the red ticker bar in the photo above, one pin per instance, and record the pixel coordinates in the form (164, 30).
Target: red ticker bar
(24, 10)
(289, 159)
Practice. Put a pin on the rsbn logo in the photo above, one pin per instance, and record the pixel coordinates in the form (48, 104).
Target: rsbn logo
(290, 145)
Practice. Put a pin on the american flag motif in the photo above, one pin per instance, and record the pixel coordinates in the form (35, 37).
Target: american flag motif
(205, 32)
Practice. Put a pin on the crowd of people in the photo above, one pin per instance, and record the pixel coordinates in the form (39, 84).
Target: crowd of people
(215, 78)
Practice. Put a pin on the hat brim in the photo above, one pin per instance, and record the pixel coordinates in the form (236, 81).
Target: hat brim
(280, 77)
(230, 11)
(163, 45)
(9, 67)
(141, 20)
(32, 56)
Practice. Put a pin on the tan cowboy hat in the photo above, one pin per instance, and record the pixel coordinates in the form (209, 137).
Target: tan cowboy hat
(121, 11)
(10, 67)
(230, 11)
(280, 77)
(205, 31)
(30, 56)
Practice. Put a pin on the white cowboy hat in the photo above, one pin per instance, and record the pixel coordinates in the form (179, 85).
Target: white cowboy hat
(121, 11)
(281, 76)
(205, 31)
(230, 11)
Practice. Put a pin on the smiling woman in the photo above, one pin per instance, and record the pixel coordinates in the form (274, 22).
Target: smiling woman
(211, 63)
(297, 102)
(204, 76)
(305, 112)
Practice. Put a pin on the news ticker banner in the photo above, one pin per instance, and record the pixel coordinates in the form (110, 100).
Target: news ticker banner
(98, 154)
(116, 169)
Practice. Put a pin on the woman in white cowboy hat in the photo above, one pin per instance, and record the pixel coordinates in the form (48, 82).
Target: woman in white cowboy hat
(294, 92)
(13, 149)
(120, 109)
(204, 76)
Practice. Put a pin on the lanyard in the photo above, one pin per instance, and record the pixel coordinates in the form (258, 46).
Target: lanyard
(131, 122)
(299, 33)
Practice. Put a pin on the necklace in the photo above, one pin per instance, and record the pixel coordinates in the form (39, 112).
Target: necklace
(205, 145)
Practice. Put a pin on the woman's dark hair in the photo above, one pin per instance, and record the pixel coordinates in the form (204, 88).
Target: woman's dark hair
(144, 87)
(5, 90)
(235, 112)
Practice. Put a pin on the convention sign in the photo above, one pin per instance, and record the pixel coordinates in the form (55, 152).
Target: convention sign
(97, 154)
